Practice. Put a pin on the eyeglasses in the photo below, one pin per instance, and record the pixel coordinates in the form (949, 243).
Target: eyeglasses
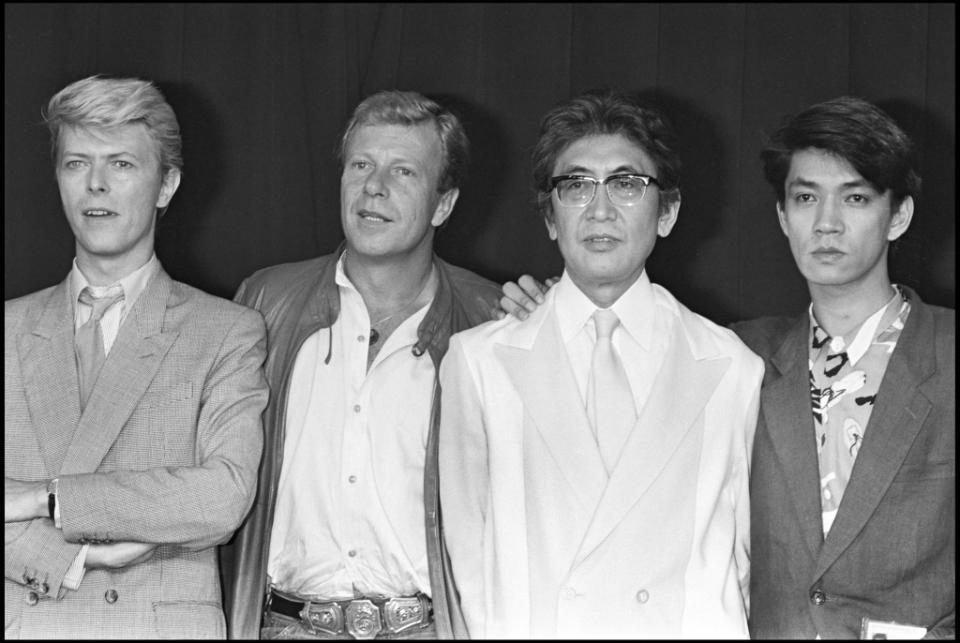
(622, 189)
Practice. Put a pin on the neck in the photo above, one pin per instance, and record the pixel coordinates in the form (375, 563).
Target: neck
(101, 271)
(390, 283)
(840, 309)
(604, 295)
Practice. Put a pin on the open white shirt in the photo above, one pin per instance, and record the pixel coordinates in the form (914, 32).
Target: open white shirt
(350, 516)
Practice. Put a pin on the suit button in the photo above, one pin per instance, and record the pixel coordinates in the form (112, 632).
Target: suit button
(643, 596)
(818, 597)
(111, 596)
(32, 599)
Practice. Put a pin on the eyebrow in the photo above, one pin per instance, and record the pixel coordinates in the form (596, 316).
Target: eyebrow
(112, 155)
(807, 183)
(623, 169)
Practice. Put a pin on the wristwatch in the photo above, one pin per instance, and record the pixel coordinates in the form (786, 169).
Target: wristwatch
(52, 497)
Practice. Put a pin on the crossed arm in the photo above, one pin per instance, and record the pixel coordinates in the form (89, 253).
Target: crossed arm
(123, 515)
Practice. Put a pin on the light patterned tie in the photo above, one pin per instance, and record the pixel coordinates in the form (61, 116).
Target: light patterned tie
(89, 340)
(609, 398)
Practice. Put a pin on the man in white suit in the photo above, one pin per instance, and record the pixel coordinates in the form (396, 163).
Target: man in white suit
(132, 402)
(561, 519)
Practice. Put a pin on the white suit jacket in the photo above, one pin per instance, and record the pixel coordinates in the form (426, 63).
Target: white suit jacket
(541, 542)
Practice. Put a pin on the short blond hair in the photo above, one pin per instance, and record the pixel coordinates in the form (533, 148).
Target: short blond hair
(98, 102)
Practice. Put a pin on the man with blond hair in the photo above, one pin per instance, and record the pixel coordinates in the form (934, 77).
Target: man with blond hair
(344, 540)
(132, 402)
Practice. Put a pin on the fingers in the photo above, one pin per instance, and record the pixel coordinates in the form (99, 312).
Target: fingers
(532, 288)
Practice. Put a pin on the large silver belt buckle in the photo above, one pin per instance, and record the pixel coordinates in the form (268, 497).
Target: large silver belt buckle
(363, 619)
(325, 617)
(402, 613)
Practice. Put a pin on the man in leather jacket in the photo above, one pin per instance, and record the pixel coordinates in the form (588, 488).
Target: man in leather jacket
(345, 537)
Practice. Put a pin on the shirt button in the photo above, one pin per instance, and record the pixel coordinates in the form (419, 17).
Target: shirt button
(568, 593)
(111, 596)
(352, 553)
(361, 338)
(818, 597)
(32, 599)
(643, 596)
(352, 479)
(356, 408)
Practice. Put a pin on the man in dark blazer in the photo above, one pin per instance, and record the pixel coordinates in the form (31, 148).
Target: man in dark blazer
(853, 476)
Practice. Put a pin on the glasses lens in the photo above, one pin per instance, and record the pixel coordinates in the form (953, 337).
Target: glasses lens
(625, 190)
(575, 191)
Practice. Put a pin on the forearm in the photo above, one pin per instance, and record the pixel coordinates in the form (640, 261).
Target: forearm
(195, 507)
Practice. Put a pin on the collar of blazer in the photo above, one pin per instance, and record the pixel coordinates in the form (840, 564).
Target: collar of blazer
(532, 354)
(50, 373)
(898, 416)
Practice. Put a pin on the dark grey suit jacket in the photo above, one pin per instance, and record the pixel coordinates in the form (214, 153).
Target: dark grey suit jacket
(891, 552)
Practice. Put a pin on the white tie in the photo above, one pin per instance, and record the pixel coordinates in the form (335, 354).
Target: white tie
(610, 404)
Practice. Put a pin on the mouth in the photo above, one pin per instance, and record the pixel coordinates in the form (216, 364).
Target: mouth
(97, 213)
(370, 216)
(600, 241)
(828, 252)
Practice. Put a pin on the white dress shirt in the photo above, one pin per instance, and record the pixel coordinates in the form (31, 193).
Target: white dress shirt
(350, 516)
(133, 284)
(639, 339)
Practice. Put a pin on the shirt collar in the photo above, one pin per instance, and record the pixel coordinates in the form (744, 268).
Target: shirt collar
(635, 308)
(133, 284)
(856, 342)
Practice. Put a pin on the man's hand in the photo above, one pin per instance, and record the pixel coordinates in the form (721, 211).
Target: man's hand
(117, 555)
(521, 298)
(24, 500)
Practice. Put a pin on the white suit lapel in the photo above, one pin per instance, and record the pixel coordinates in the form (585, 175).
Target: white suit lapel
(682, 388)
(542, 378)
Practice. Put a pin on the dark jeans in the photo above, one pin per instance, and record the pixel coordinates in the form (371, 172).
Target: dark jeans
(281, 626)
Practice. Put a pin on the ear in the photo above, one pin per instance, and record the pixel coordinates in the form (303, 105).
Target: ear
(171, 181)
(444, 207)
(551, 227)
(782, 216)
(668, 218)
(901, 219)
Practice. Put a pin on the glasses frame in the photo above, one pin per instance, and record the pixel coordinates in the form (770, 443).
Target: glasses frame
(645, 178)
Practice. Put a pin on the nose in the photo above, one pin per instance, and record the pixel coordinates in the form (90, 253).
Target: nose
(375, 185)
(829, 219)
(600, 208)
(97, 180)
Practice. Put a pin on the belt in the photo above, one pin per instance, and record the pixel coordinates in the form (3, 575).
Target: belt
(361, 618)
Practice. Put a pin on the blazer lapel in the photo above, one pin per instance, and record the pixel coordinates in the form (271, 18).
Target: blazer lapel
(543, 380)
(133, 362)
(50, 377)
(682, 388)
(901, 408)
(788, 417)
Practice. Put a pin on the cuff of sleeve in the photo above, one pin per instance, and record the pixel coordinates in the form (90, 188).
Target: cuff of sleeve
(75, 574)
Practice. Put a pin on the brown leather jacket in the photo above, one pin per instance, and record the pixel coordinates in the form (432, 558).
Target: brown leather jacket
(297, 299)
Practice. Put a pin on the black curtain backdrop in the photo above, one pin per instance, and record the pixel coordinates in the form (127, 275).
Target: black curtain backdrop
(262, 93)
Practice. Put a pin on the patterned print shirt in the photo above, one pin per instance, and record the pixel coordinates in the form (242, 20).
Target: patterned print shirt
(845, 373)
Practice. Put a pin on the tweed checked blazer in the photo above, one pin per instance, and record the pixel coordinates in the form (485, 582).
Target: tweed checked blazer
(891, 551)
(165, 452)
